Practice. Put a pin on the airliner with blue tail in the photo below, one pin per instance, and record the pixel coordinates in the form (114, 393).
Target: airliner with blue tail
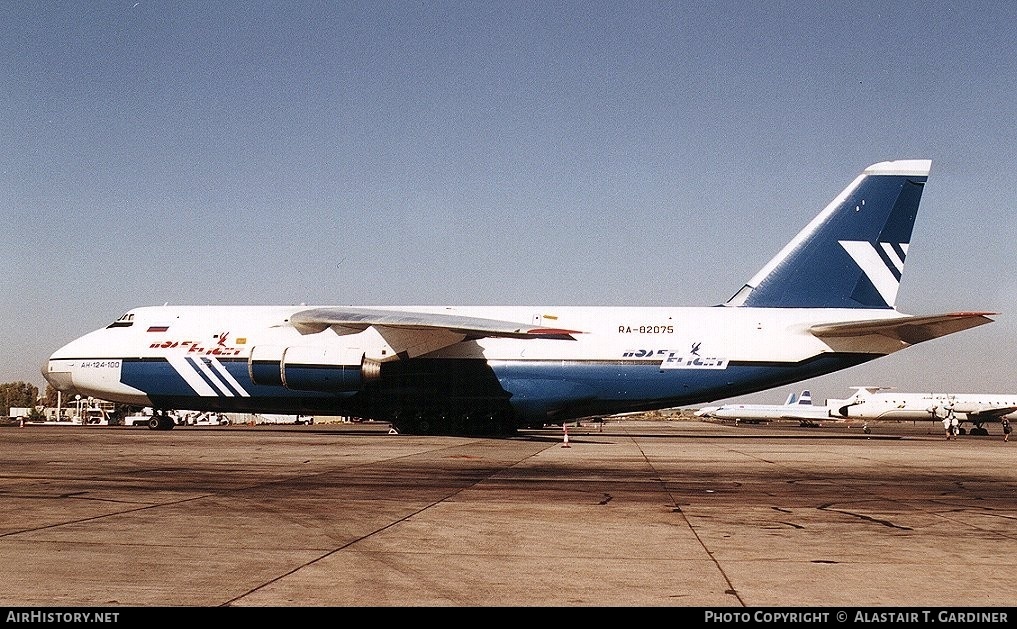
(824, 303)
(796, 407)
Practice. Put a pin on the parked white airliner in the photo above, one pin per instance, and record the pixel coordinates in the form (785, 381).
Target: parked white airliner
(976, 408)
(825, 302)
(796, 407)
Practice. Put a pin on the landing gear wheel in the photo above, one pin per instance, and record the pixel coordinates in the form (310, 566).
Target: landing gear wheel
(161, 421)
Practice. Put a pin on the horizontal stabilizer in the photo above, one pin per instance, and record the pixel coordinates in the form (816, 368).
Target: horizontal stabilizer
(908, 330)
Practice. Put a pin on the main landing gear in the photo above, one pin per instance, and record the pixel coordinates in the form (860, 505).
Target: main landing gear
(161, 421)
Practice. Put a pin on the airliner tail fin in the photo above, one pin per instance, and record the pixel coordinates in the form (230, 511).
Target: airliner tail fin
(852, 254)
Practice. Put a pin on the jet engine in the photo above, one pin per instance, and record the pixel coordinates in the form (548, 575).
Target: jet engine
(312, 368)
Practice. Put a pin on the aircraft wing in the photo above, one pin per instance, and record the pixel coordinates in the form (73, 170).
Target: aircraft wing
(908, 330)
(410, 334)
(353, 320)
(986, 411)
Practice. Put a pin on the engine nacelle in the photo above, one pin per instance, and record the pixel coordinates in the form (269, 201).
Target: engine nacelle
(312, 368)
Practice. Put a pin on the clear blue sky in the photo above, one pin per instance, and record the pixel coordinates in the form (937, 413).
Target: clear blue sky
(542, 153)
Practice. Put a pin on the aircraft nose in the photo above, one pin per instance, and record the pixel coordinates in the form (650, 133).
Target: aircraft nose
(58, 373)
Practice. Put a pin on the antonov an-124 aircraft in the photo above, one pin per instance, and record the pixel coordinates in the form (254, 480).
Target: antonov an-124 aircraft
(825, 302)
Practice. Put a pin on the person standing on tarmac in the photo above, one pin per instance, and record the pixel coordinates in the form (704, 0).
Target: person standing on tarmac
(946, 426)
(1006, 429)
(954, 425)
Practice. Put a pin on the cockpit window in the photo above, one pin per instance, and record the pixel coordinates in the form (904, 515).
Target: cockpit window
(125, 321)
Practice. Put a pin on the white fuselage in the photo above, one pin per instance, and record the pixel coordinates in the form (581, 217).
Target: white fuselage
(923, 406)
(768, 411)
(625, 358)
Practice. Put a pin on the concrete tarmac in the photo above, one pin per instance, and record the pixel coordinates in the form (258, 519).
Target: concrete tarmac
(633, 513)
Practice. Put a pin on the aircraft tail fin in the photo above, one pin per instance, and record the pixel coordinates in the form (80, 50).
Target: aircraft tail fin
(806, 398)
(861, 392)
(791, 399)
(852, 254)
(858, 397)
